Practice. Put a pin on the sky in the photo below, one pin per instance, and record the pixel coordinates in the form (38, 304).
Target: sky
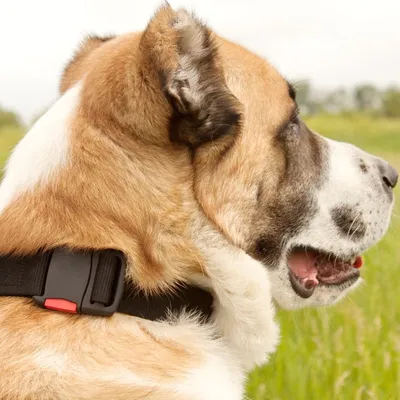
(332, 43)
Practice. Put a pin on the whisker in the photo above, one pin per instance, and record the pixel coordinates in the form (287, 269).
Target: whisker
(348, 237)
(355, 230)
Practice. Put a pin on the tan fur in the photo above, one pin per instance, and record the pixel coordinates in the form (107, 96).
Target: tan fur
(96, 345)
(267, 105)
(86, 55)
(128, 187)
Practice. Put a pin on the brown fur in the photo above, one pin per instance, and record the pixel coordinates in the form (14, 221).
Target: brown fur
(74, 71)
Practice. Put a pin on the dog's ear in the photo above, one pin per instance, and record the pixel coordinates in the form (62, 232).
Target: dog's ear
(185, 56)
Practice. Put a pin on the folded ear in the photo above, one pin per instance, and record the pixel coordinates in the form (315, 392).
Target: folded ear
(185, 55)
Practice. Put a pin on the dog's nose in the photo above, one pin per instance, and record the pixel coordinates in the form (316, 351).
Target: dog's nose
(389, 175)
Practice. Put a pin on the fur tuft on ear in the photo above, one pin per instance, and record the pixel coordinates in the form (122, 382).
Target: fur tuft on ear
(186, 57)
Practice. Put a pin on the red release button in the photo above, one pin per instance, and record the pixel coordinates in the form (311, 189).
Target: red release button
(61, 305)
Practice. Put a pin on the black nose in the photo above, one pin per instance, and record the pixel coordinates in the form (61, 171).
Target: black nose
(389, 175)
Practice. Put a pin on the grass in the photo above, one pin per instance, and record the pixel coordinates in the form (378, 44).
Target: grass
(352, 350)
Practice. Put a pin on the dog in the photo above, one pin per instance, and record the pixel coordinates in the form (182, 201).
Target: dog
(183, 155)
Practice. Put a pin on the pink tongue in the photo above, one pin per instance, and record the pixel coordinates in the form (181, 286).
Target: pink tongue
(303, 266)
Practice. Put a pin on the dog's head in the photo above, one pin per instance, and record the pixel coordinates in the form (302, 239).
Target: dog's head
(178, 122)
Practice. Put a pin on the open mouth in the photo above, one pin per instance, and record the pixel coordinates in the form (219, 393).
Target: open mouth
(309, 268)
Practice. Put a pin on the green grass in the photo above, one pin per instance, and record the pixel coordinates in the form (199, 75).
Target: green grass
(377, 135)
(352, 350)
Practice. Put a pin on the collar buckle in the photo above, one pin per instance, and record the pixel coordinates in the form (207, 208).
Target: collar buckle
(82, 282)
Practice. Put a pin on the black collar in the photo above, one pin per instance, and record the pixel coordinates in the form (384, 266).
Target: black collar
(93, 283)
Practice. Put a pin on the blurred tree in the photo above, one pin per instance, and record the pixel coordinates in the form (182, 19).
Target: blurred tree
(8, 118)
(303, 93)
(367, 97)
(308, 101)
(391, 102)
(338, 100)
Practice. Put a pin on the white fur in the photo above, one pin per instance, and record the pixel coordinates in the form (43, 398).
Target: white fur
(244, 314)
(42, 151)
(51, 360)
(222, 372)
(345, 184)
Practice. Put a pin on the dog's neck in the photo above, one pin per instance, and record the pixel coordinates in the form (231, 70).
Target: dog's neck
(75, 187)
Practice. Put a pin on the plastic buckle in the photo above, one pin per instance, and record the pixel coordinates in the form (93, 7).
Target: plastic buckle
(70, 279)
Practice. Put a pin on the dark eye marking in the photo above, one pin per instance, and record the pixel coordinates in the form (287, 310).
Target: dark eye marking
(291, 125)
